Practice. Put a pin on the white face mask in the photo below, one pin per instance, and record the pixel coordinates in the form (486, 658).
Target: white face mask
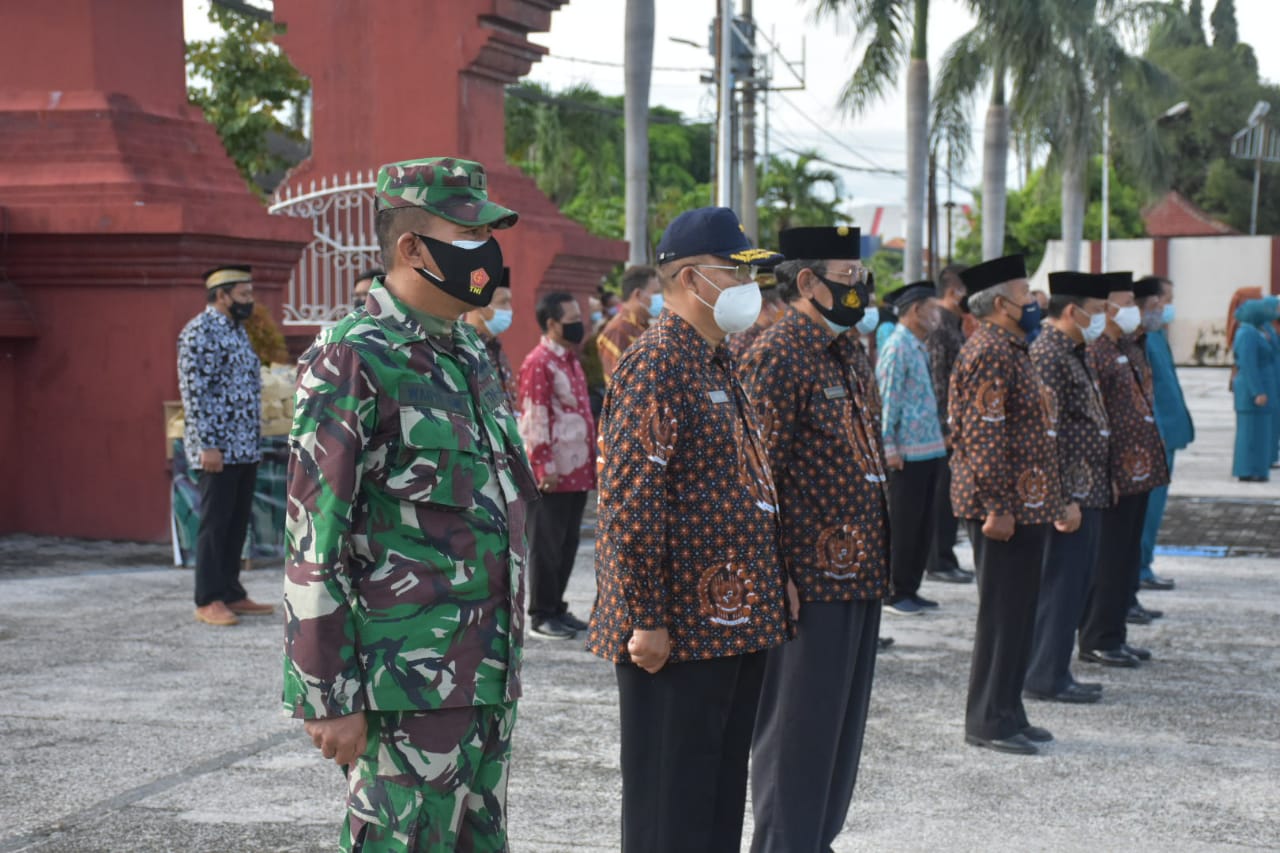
(869, 321)
(737, 307)
(1129, 319)
(469, 244)
(1093, 331)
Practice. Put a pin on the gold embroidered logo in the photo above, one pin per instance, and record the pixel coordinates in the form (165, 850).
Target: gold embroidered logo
(726, 595)
(991, 400)
(1079, 480)
(841, 550)
(1033, 487)
(659, 435)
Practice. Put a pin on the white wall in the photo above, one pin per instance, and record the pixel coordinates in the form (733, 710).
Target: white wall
(1206, 271)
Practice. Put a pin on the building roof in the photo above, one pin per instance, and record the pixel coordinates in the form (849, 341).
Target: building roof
(1176, 216)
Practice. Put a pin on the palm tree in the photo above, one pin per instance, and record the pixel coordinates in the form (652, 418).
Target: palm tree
(790, 195)
(898, 31)
(639, 67)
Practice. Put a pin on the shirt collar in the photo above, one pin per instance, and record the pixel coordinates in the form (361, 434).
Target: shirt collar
(410, 325)
(637, 316)
(556, 350)
(1002, 334)
(809, 333)
(681, 332)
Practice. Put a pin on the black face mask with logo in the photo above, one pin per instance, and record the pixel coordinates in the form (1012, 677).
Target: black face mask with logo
(468, 272)
(848, 304)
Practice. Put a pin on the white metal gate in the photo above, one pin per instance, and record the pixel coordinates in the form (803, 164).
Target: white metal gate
(343, 245)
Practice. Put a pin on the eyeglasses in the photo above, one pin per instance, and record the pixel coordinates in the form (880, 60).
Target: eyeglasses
(857, 275)
(742, 273)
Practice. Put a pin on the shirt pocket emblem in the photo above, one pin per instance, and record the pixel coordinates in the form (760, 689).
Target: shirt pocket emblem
(726, 595)
(840, 550)
(1033, 488)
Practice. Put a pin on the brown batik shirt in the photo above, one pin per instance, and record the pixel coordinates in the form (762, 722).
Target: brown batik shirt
(1084, 437)
(824, 450)
(1003, 433)
(687, 536)
(944, 344)
(742, 341)
(618, 335)
(1137, 452)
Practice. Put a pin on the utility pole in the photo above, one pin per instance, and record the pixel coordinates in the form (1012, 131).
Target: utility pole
(724, 135)
(1106, 183)
(750, 216)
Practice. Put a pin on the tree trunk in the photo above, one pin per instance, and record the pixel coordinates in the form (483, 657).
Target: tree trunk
(638, 60)
(1073, 189)
(995, 161)
(917, 166)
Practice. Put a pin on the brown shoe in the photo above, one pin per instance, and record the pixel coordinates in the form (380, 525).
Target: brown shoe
(250, 607)
(216, 613)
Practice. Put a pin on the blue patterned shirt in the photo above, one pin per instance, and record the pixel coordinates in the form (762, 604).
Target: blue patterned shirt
(220, 378)
(910, 415)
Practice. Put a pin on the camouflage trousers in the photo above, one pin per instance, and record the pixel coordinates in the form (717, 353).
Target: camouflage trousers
(431, 782)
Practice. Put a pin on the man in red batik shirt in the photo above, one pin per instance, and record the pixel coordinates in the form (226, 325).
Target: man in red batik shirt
(560, 437)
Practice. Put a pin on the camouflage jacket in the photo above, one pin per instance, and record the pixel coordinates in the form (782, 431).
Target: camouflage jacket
(407, 495)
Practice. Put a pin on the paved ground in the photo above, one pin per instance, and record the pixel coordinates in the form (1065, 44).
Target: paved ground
(125, 726)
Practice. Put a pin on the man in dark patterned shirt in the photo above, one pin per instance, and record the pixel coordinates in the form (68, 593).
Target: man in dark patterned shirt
(771, 309)
(944, 345)
(641, 304)
(1005, 485)
(220, 378)
(1076, 316)
(824, 450)
(1137, 466)
(690, 588)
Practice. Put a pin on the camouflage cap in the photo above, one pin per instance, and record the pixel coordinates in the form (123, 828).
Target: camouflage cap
(453, 189)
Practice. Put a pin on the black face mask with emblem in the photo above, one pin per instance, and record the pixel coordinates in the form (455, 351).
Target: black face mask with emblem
(848, 304)
(470, 273)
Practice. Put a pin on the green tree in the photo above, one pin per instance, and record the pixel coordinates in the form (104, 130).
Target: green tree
(1226, 33)
(898, 34)
(245, 84)
(795, 193)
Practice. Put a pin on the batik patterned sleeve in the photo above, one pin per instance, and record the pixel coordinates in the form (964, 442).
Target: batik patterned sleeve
(982, 420)
(535, 415)
(335, 413)
(1055, 372)
(769, 378)
(891, 380)
(198, 381)
(639, 438)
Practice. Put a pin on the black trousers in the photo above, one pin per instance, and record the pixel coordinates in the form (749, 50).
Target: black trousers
(1064, 588)
(1008, 586)
(942, 556)
(911, 497)
(1115, 575)
(809, 728)
(686, 735)
(555, 526)
(226, 500)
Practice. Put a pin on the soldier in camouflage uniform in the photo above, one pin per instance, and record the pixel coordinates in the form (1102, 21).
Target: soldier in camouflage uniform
(408, 489)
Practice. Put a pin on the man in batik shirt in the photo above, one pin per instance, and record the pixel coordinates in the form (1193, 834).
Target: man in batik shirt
(1005, 486)
(641, 305)
(691, 591)
(823, 443)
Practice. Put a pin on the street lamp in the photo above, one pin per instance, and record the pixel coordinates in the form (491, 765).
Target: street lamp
(1256, 142)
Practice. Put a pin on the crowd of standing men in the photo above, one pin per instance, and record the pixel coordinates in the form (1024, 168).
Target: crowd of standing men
(761, 475)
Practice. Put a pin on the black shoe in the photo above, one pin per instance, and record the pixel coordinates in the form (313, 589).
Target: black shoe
(905, 607)
(1137, 651)
(1138, 616)
(1108, 657)
(1016, 745)
(924, 602)
(571, 621)
(1153, 614)
(953, 575)
(1155, 582)
(553, 629)
(1072, 694)
(1035, 734)
(1091, 686)
(883, 643)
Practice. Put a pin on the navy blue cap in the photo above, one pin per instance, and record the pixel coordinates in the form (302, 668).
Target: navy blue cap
(711, 231)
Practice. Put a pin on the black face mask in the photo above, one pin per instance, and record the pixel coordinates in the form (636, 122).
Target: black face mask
(848, 304)
(573, 332)
(471, 275)
(241, 311)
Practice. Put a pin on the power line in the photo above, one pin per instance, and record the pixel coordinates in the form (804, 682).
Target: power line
(607, 64)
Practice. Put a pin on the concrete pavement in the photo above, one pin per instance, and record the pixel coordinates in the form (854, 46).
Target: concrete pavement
(126, 726)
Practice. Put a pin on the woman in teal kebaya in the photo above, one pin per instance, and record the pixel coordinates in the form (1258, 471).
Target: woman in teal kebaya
(1255, 393)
